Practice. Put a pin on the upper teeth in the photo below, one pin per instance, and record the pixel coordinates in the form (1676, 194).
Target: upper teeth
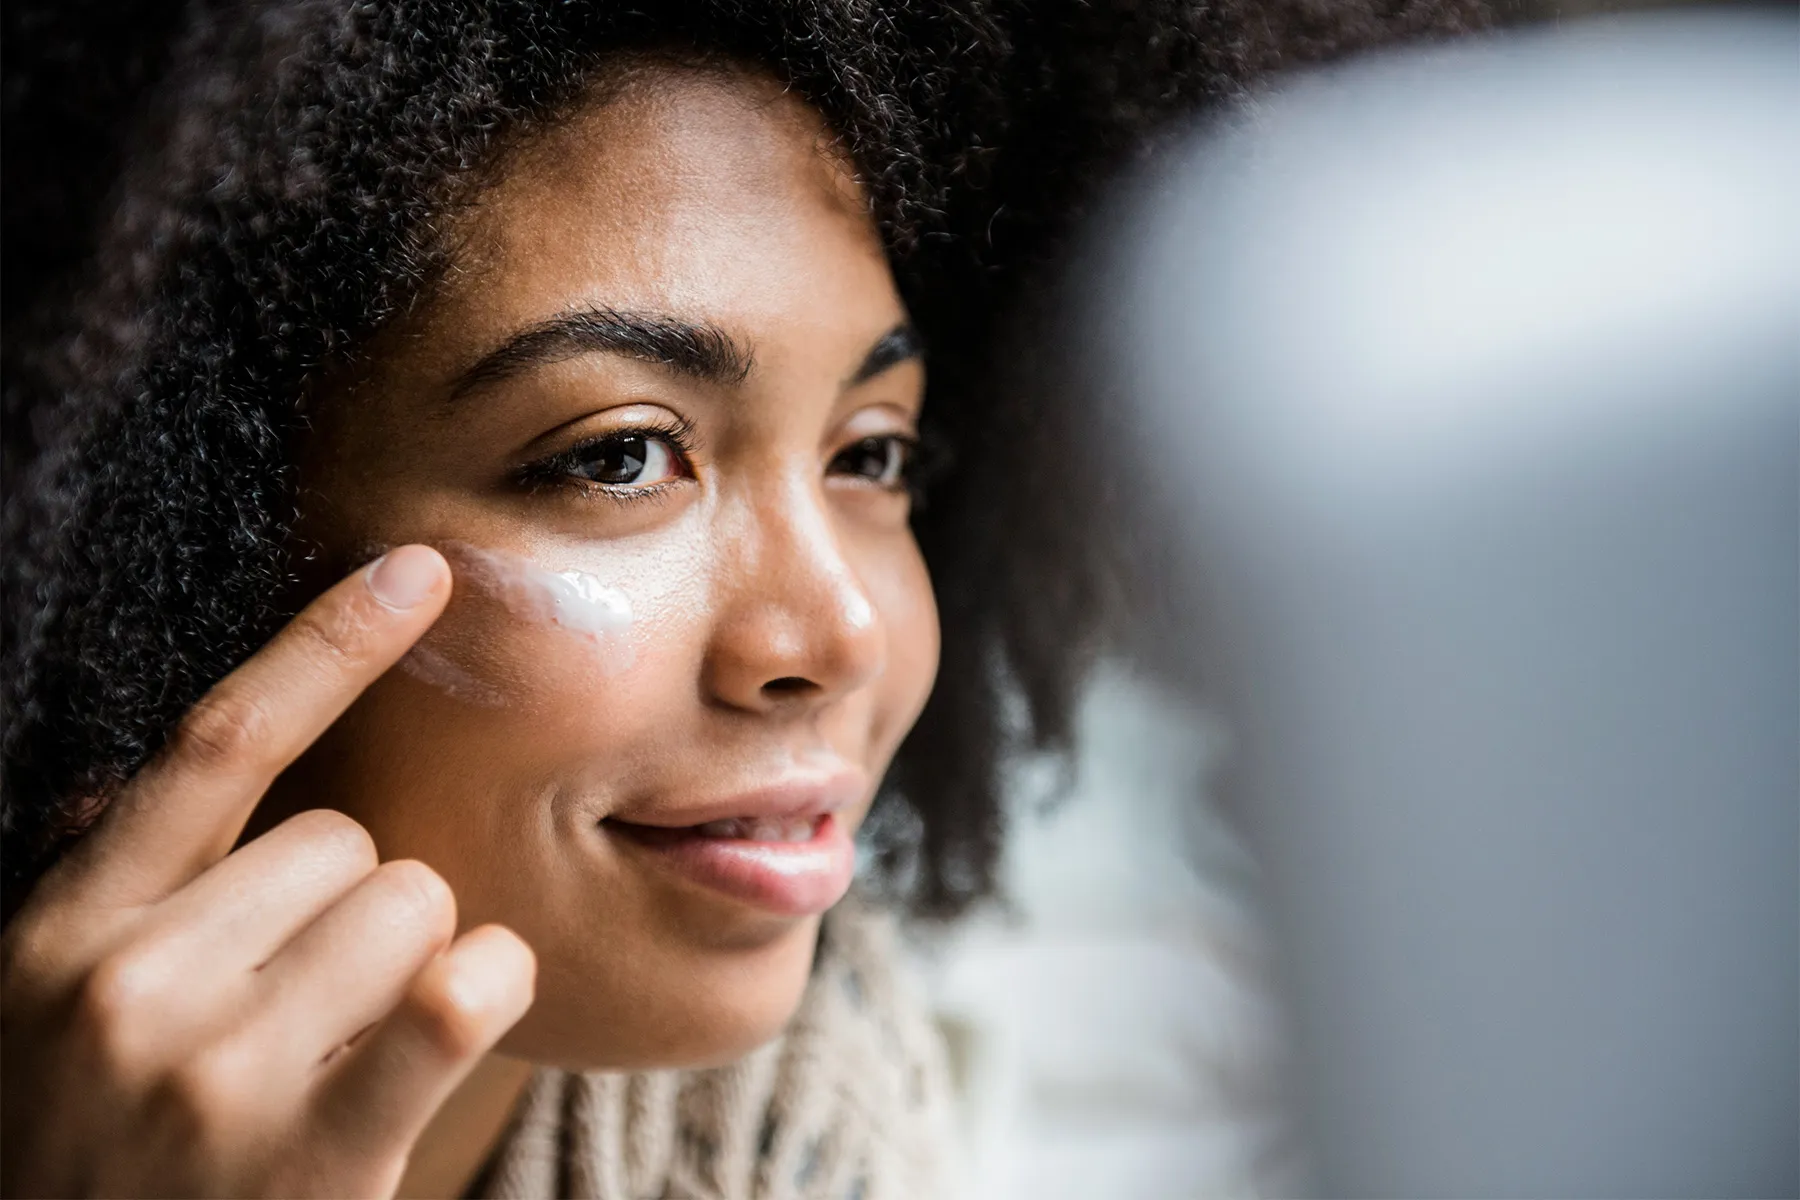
(761, 829)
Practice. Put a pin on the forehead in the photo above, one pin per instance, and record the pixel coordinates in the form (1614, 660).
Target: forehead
(701, 193)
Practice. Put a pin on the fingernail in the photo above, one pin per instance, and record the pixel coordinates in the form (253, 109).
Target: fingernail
(405, 577)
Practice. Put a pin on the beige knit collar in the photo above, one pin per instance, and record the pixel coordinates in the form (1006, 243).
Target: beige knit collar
(851, 1102)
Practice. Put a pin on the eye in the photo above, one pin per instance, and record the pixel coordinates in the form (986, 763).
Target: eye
(635, 460)
(628, 462)
(879, 460)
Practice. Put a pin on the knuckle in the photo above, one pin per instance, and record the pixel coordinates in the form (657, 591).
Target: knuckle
(224, 729)
(450, 1026)
(120, 985)
(421, 891)
(332, 633)
(335, 838)
(212, 1083)
(118, 995)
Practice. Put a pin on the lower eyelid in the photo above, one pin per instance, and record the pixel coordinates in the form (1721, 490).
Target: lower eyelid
(625, 494)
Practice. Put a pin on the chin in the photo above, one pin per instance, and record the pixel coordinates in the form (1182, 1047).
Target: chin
(660, 1006)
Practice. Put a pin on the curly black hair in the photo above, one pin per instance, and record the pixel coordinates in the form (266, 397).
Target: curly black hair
(211, 205)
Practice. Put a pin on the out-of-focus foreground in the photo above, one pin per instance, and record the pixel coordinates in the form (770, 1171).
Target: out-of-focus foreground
(1466, 387)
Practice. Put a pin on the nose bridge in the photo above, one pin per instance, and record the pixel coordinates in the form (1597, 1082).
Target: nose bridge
(797, 609)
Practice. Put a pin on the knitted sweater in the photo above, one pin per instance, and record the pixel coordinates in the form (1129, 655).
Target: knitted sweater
(851, 1102)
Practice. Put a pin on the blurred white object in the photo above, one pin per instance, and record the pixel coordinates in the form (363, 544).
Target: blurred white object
(1113, 1033)
(1472, 379)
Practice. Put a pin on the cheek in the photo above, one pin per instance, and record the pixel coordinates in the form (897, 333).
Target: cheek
(502, 707)
(552, 688)
(900, 591)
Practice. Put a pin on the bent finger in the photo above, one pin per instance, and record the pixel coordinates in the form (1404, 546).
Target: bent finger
(376, 1098)
(348, 969)
(236, 915)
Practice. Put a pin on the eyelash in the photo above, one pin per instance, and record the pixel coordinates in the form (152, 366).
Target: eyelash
(909, 455)
(559, 471)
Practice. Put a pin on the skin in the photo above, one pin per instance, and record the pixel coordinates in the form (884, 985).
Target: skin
(783, 617)
(783, 630)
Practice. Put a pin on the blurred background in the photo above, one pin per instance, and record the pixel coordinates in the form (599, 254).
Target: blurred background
(1115, 1033)
(1567, 962)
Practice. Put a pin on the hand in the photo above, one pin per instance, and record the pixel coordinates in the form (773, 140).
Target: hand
(182, 1019)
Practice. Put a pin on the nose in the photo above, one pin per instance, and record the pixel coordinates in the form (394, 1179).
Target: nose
(797, 628)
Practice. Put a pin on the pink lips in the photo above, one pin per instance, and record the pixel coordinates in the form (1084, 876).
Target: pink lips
(784, 850)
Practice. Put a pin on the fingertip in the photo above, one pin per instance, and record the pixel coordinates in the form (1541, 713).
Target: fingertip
(408, 576)
(493, 969)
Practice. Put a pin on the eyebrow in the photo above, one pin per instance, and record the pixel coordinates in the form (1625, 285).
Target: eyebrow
(697, 349)
(899, 344)
(694, 348)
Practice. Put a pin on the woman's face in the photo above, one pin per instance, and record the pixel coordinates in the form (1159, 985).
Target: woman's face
(670, 368)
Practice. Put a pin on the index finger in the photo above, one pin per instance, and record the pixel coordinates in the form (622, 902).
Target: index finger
(185, 809)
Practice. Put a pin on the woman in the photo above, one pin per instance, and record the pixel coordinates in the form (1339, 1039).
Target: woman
(572, 362)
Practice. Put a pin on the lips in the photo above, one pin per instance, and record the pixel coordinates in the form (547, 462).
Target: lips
(784, 850)
(762, 829)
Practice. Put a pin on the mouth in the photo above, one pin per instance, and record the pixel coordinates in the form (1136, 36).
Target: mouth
(785, 851)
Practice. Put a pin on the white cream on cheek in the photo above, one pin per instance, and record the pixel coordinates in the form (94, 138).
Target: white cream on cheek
(571, 601)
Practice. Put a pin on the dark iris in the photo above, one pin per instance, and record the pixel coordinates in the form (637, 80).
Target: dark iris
(876, 458)
(615, 460)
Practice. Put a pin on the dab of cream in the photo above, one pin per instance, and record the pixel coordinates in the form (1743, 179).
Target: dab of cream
(434, 667)
(583, 604)
(572, 600)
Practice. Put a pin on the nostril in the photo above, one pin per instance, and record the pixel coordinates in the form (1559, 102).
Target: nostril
(788, 685)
